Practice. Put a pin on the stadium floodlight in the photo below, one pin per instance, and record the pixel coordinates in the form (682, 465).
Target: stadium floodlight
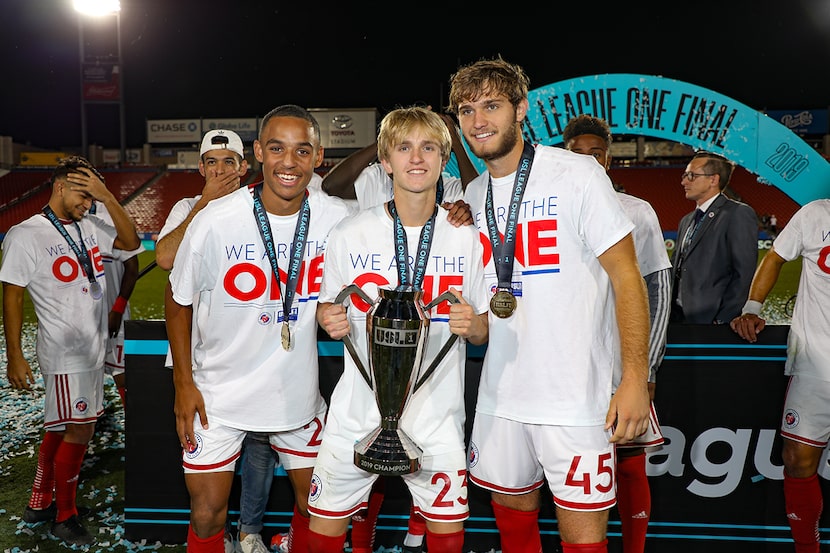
(97, 7)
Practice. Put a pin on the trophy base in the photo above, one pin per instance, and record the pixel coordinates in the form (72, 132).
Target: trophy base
(388, 452)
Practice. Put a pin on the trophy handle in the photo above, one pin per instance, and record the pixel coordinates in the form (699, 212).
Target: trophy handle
(347, 339)
(450, 297)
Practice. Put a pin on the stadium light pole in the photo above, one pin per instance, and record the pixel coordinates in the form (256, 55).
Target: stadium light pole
(98, 8)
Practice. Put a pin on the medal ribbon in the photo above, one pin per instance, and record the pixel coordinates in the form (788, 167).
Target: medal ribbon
(402, 249)
(80, 252)
(295, 254)
(503, 252)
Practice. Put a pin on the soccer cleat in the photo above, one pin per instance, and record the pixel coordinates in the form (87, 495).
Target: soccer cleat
(252, 544)
(412, 549)
(33, 516)
(279, 543)
(72, 532)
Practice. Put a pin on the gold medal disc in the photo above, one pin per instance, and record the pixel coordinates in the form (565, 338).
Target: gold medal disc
(503, 304)
(286, 337)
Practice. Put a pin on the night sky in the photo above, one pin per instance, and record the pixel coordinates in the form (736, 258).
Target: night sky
(187, 58)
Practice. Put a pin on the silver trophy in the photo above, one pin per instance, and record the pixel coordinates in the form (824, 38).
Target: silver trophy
(397, 328)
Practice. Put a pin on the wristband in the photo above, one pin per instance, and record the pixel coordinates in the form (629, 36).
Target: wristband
(752, 307)
(119, 305)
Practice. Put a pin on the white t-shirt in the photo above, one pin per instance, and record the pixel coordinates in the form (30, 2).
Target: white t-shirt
(648, 236)
(373, 186)
(807, 235)
(247, 379)
(552, 361)
(72, 326)
(362, 251)
(114, 264)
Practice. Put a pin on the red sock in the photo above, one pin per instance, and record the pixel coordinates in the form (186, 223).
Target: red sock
(212, 544)
(68, 460)
(417, 528)
(633, 501)
(519, 530)
(363, 527)
(44, 484)
(318, 543)
(802, 498)
(298, 534)
(601, 547)
(122, 391)
(445, 543)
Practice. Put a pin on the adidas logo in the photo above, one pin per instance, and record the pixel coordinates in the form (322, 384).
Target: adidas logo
(792, 516)
(641, 514)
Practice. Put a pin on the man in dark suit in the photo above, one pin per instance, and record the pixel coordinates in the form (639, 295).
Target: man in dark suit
(717, 246)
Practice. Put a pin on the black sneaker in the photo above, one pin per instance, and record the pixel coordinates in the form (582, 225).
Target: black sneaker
(412, 548)
(33, 516)
(72, 531)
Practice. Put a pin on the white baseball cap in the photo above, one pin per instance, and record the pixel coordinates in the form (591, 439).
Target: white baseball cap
(220, 139)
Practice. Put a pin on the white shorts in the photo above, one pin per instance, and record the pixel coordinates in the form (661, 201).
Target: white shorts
(218, 447)
(340, 489)
(114, 359)
(513, 458)
(806, 416)
(73, 398)
(651, 437)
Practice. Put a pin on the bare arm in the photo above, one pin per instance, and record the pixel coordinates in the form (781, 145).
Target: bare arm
(749, 325)
(125, 290)
(216, 186)
(188, 399)
(18, 371)
(466, 323)
(339, 181)
(629, 410)
(87, 181)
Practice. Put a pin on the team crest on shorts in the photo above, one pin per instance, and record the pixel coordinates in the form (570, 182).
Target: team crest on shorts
(473, 457)
(265, 318)
(81, 405)
(315, 488)
(192, 454)
(791, 418)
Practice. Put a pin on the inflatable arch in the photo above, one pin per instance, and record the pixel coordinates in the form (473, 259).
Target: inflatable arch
(675, 110)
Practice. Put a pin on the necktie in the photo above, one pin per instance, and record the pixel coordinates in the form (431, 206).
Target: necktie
(692, 228)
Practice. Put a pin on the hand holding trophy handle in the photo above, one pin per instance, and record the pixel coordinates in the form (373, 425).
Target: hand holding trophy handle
(347, 340)
(450, 297)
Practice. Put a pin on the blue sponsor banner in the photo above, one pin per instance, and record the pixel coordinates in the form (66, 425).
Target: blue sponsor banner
(803, 121)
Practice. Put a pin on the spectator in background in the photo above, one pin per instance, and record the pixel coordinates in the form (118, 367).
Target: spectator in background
(590, 135)
(56, 256)
(717, 246)
(577, 258)
(250, 263)
(805, 427)
(121, 272)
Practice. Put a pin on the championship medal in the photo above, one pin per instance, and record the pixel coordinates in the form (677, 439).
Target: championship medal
(286, 336)
(503, 303)
(95, 290)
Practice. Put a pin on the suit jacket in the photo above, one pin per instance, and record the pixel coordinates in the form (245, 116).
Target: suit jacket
(714, 272)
